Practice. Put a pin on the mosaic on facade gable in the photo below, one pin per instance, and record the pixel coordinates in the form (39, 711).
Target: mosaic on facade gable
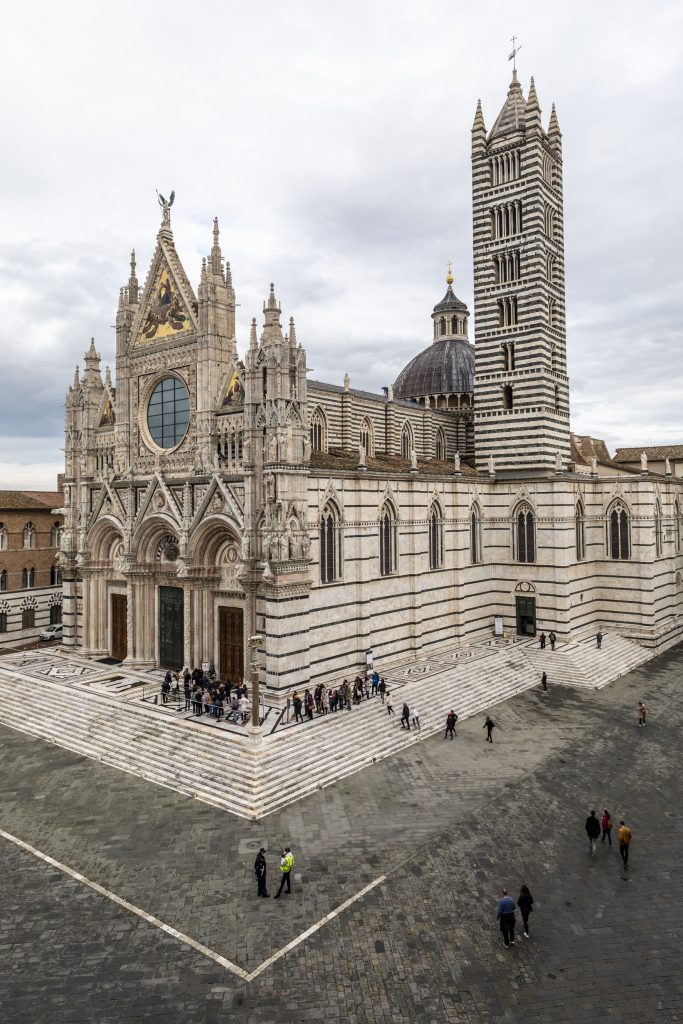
(167, 316)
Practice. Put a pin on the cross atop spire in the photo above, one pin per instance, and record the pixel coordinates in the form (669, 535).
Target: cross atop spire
(513, 55)
(449, 275)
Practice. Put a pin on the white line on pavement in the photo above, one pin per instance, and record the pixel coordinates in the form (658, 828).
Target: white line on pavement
(204, 950)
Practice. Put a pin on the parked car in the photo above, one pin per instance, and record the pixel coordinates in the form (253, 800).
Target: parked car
(51, 633)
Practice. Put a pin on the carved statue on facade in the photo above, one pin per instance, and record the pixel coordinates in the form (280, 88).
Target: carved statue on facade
(166, 205)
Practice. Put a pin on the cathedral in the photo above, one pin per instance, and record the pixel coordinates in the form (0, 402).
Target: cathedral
(212, 495)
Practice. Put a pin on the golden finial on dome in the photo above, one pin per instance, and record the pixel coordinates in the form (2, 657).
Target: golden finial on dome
(449, 275)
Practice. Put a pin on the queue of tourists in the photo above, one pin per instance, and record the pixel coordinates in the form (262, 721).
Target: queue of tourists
(205, 694)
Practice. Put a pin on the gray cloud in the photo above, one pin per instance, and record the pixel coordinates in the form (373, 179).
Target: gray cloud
(333, 143)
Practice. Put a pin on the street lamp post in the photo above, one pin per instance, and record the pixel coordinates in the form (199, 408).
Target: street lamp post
(255, 644)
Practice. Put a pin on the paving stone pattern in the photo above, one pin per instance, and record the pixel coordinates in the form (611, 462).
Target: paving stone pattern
(448, 822)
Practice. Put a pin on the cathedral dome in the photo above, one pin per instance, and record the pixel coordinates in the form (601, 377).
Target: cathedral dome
(447, 366)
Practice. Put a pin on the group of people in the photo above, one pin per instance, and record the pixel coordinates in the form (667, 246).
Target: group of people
(205, 694)
(594, 826)
(505, 913)
(261, 870)
(325, 699)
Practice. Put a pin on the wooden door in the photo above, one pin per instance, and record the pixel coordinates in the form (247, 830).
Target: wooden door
(119, 627)
(231, 644)
(171, 628)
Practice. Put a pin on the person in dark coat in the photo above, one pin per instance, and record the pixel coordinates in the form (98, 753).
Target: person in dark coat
(489, 725)
(405, 718)
(592, 831)
(260, 870)
(542, 641)
(525, 902)
(505, 914)
(451, 719)
(544, 681)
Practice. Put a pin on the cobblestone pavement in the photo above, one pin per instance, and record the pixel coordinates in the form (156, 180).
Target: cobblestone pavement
(448, 823)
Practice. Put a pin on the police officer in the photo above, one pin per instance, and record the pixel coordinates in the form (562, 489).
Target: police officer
(260, 870)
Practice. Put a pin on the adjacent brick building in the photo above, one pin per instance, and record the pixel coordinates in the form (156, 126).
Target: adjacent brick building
(30, 575)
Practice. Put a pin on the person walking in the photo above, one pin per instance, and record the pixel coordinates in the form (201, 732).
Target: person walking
(260, 870)
(382, 688)
(525, 902)
(451, 719)
(606, 824)
(642, 713)
(544, 682)
(286, 865)
(505, 914)
(389, 703)
(489, 725)
(375, 684)
(592, 831)
(542, 641)
(624, 841)
(405, 717)
(553, 640)
(415, 715)
(598, 639)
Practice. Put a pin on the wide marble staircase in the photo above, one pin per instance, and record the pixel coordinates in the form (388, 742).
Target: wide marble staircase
(252, 778)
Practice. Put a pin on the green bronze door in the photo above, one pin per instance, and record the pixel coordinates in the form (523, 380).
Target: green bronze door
(171, 627)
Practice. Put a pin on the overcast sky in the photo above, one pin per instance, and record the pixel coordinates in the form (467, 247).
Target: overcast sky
(333, 143)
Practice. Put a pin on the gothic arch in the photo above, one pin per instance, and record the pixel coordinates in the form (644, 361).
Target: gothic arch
(106, 536)
(318, 430)
(150, 534)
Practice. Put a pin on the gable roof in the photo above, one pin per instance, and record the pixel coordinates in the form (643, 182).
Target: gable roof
(27, 500)
(655, 452)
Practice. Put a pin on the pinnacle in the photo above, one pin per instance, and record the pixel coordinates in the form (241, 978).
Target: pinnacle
(479, 119)
(553, 124)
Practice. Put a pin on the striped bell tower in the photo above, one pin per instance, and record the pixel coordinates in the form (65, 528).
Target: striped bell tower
(521, 384)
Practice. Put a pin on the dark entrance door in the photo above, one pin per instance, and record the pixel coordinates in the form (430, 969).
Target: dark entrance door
(171, 627)
(526, 616)
(231, 644)
(119, 628)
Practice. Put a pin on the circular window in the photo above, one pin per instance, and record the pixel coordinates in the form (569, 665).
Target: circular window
(168, 412)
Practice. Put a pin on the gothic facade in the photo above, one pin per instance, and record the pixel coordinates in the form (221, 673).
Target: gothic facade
(210, 496)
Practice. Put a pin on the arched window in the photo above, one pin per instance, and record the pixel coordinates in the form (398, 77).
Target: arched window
(580, 529)
(55, 614)
(55, 575)
(3, 537)
(525, 534)
(618, 527)
(659, 539)
(442, 325)
(3, 579)
(29, 536)
(318, 431)
(330, 547)
(406, 441)
(28, 578)
(475, 535)
(387, 541)
(28, 618)
(367, 436)
(435, 537)
(56, 535)
(677, 525)
(440, 444)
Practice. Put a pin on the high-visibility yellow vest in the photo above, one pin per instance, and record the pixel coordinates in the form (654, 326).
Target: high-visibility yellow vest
(287, 864)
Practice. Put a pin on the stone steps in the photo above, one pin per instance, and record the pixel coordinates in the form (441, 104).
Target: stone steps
(250, 779)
